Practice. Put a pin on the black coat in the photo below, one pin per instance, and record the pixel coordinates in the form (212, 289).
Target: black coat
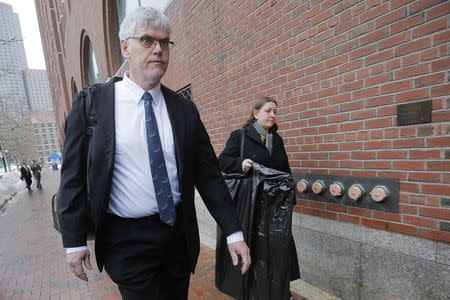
(36, 169)
(25, 174)
(196, 165)
(255, 149)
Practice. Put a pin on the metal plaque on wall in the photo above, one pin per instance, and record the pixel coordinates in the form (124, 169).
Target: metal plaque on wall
(414, 113)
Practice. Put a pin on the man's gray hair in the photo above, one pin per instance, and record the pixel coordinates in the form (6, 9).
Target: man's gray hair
(142, 18)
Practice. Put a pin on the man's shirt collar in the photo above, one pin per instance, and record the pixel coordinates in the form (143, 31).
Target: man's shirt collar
(136, 91)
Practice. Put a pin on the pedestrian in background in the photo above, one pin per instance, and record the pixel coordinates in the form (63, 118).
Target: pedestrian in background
(36, 169)
(25, 174)
(148, 150)
(263, 145)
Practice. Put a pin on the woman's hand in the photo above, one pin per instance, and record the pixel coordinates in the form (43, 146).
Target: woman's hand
(246, 165)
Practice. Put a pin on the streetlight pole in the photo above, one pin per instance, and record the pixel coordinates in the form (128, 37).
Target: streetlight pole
(3, 157)
(6, 160)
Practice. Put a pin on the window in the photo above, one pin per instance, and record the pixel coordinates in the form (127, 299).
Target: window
(186, 92)
(89, 62)
(126, 6)
(92, 65)
(74, 87)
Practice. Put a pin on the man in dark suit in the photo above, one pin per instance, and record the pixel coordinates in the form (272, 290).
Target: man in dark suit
(148, 150)
(36, 169)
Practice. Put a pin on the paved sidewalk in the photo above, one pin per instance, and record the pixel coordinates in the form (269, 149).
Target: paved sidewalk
(32, 262)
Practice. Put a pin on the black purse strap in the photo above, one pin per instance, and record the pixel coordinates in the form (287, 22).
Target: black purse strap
(242, 142)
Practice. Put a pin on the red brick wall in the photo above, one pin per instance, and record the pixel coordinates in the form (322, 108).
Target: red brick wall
(338, 69)
(47, 12)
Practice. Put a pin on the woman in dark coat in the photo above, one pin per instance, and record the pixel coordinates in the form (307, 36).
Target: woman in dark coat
(263, 145)
(255, 148)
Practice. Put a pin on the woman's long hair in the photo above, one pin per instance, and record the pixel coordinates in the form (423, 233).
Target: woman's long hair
(257, 106)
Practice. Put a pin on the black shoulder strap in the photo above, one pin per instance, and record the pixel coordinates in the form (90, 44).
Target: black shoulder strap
(90, 111)
(242, 142)
(91, 120)
(90, 125)
(90, 108)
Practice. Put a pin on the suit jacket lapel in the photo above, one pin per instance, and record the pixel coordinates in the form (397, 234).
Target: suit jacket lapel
(177, 120)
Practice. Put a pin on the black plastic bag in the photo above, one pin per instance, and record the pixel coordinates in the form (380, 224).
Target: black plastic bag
(264, 202)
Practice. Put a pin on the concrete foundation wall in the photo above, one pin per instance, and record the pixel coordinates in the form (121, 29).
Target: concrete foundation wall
(355, 262)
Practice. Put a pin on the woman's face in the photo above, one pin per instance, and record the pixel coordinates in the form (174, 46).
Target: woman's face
(267, 115)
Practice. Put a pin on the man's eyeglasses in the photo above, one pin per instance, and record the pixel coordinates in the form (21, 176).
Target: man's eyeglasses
(150, 42)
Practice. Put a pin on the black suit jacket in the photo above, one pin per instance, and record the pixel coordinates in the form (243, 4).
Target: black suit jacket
(85, 188)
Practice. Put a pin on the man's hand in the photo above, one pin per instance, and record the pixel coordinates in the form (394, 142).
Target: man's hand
(76, 260)
(240, 248)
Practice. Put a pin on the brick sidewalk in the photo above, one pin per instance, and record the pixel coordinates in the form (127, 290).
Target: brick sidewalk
(32, 262)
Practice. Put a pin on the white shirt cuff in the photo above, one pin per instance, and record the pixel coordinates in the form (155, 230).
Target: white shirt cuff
(235, 237)
(75, 249)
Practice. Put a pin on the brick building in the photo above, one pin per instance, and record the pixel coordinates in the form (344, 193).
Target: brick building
(363, 92)
(80, 46)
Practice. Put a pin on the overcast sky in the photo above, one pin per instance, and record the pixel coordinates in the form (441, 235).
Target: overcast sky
(30, 32)
(30, 28)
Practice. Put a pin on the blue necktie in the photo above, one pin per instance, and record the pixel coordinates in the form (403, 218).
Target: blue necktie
(161, 182)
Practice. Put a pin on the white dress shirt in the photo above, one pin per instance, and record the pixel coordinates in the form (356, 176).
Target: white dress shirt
(132, 193)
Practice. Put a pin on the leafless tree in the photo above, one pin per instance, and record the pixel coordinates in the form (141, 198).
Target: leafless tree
(16, 132)
(9, 41)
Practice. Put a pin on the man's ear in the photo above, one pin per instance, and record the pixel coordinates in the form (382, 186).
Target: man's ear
(124, 48)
